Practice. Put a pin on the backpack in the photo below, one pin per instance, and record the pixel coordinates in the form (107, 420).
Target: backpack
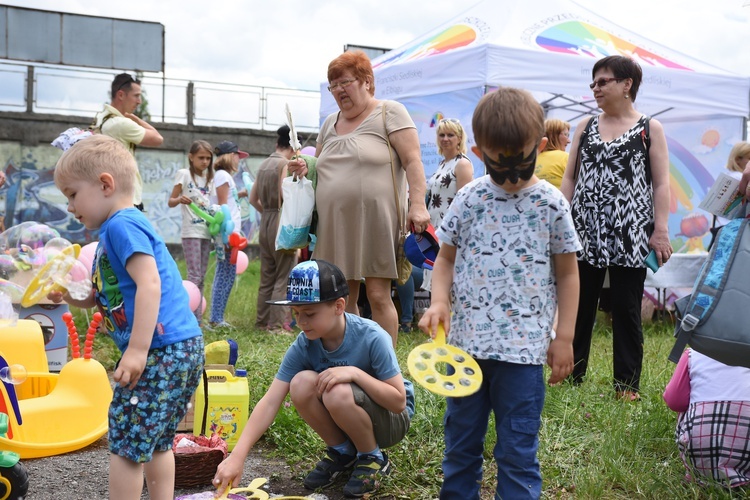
(715, 318)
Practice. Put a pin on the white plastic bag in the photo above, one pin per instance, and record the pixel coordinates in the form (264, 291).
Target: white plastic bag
(296, 213)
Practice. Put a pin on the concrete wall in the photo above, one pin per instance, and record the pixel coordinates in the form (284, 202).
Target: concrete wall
(28, 160)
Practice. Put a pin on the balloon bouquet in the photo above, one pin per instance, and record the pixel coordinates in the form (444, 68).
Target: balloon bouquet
(35, 260)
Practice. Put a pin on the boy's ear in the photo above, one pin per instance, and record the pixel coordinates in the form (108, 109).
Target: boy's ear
(340, 305)
(107, 182)
(542, 144)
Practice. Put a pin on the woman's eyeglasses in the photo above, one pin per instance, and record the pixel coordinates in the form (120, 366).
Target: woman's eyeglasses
(602, 82)
(450, 120)
(343, 84)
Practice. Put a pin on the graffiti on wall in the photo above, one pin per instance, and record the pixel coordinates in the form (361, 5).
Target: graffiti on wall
(30, 193)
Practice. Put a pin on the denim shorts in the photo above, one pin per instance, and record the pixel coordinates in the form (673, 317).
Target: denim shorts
(145, 419)
(389, 428)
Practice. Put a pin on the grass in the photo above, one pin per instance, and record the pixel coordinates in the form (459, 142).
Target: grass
(591, 446)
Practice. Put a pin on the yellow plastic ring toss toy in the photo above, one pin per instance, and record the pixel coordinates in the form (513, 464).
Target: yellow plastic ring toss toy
(43, 283)
(423, 361)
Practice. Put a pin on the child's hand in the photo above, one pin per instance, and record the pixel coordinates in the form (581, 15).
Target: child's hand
(130, 368)
(185, 200)
(436, 314)
(560, 359)
(56, 296)
(228, 474)
(336, 375)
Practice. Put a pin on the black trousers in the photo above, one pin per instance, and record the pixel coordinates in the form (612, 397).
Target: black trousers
(626, 287)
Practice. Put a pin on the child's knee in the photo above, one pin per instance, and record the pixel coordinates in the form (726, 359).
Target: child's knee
(339, 398)
(303, 384)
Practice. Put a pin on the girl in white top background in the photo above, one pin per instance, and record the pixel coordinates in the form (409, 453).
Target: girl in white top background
(193, 185)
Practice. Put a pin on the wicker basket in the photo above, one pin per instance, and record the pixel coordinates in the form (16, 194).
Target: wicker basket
(198, 468)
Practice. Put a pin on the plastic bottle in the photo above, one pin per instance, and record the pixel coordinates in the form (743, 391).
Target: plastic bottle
(228, 405)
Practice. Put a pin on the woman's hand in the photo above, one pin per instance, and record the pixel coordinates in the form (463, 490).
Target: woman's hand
(661, 245)
(418, 218)
(297, 167)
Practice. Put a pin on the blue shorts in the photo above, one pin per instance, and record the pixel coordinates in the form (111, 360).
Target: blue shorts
(145, 419)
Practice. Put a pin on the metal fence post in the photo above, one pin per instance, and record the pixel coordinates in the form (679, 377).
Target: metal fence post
(190, 103)
(29, 89)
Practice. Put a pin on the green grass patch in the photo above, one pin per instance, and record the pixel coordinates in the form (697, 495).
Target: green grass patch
(591, 446)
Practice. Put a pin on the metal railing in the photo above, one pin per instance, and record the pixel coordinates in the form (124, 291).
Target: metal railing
(74, 91)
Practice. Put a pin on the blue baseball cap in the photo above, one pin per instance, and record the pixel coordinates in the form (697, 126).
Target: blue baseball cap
(422, 248)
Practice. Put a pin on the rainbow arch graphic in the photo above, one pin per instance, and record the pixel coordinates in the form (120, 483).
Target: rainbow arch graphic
(454, 37)
(688, 178)
(581, 38)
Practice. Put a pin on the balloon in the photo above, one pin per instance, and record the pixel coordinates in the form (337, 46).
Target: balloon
(242, 262)
(308, 150)
(194, 294)
(203, 306)
(86, 256)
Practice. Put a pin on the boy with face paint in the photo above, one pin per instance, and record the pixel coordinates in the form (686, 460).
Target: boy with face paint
(507, 260)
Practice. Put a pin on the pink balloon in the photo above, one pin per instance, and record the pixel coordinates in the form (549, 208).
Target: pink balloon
(203, 306)
(242, 262)
(194, 294)
(86, 255)
(308, 150)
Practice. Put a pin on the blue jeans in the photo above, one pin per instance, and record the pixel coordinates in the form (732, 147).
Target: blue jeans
(406, 294)
(515, 393)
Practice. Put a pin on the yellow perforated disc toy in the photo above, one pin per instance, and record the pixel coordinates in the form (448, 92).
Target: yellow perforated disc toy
(423, 362)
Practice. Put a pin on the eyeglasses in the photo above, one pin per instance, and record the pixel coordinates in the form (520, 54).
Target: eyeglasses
(343, 84)
(602, 82)
(450, 120)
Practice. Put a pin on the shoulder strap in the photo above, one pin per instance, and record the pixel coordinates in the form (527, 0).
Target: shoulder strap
(393, 173)
(646, 139)
(581, 141)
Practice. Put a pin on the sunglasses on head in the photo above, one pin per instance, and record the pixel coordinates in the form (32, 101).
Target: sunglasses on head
(450, 120)
(127, 82)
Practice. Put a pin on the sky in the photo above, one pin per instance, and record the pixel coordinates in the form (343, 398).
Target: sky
(289, 43)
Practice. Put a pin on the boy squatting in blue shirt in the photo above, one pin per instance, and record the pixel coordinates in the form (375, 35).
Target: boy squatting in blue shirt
(507, 256)
(139, 289)
(344, 380)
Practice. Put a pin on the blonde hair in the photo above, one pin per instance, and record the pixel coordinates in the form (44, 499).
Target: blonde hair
(452, 125)
(227, 161)
(87, 159)
(739, 150)
(507, 119)
(552, 130)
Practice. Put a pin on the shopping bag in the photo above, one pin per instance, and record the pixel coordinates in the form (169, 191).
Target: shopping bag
(296, 213)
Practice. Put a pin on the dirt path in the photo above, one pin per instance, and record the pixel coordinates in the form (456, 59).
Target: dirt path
(82, 475)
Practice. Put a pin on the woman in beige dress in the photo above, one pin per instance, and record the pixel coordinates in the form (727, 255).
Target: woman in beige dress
(358, 225)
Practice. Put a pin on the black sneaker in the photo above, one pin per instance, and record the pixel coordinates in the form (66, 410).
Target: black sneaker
(330, 467)
(365, 476)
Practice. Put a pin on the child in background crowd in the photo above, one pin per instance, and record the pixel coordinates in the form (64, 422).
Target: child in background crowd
(139, 289)
(194, 185)
(713, 426)
(228, 157)
(507, 256)
(344, 380)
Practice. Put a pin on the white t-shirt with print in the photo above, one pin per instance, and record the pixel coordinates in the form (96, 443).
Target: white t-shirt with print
(504, 291)
(222, 177)
(197, 190)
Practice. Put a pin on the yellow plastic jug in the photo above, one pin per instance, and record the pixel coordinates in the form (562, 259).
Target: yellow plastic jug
(228, 405)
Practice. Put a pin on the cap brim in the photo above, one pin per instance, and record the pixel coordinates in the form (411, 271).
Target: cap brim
(243, 154)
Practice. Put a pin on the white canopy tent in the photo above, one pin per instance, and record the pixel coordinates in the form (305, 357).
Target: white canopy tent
(549, 48)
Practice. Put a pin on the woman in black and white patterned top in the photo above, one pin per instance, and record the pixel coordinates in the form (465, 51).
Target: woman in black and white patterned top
(453, 173)
(619, 194)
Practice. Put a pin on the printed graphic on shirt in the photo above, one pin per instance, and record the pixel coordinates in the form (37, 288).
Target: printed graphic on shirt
(107, 293)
